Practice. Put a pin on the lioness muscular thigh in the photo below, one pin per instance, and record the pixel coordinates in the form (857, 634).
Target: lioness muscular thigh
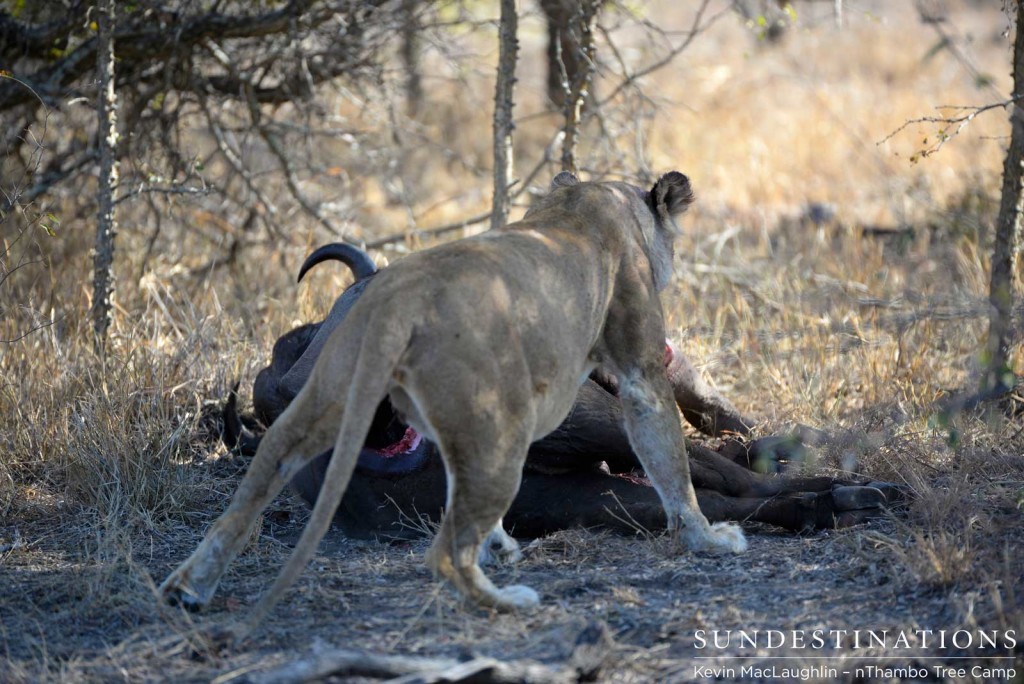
(504, 326)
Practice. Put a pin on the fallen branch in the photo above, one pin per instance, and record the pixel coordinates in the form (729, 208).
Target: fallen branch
(591, 653)
(343, 662)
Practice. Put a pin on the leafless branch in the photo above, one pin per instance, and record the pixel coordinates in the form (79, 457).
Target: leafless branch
(234, 160)
(948, 42)
(6, 273)
(28, 332)
(143, 189)
(697, 27)
(150, 39)
(957, 122)
(439, 230)
(48, 179)
(479, 218)
(288, 169)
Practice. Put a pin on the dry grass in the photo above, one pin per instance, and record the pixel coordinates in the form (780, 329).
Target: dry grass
(110, 469)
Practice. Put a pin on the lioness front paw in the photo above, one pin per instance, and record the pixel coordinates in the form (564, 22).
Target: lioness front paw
(696, 534)
(726, 537)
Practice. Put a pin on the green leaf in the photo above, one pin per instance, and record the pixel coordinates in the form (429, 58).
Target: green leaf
(51, 225)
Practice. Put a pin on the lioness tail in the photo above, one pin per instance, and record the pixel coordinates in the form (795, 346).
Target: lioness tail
(370, 370)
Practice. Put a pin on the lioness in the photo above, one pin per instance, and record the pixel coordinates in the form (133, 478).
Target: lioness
(583, 474)
(482, 344)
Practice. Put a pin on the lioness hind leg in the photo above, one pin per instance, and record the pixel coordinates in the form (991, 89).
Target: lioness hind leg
(475, 505)
(285, 448)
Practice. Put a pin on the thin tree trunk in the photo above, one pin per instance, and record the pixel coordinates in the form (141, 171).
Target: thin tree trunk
(106, 222)
(563, 53)
(577, 87)
(503, 101)
(410, 51)
(1007, 240)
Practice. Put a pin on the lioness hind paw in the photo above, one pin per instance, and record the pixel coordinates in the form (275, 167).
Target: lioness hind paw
(174, 592)
(726, 537)
(499, 548)
(177, 597)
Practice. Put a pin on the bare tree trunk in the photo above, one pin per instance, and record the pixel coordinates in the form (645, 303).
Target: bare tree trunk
(503, 123)
(410, 52)
(563, 46)
(106, 222)
(577, 86)
(1007, 240)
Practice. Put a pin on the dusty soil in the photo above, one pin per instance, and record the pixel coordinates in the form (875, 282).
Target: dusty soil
(72, 611)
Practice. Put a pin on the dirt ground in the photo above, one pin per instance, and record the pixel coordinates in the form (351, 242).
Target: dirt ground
(74, 612)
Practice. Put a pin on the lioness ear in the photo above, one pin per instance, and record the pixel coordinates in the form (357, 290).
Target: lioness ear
(564, 179)
(672, 194)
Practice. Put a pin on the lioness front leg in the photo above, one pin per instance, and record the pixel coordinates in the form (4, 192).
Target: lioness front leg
(652, 424)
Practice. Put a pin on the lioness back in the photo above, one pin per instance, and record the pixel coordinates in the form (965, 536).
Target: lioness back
(479, 309)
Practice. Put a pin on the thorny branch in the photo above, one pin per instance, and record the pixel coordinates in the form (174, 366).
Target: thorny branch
(957, 122)
(149, 38)
(177, 61)
(186, 71)
(960, 116)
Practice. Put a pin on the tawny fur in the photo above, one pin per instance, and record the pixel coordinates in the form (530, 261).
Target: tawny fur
(482, 344)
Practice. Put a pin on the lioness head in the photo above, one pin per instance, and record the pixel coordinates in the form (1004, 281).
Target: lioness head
(653, 211)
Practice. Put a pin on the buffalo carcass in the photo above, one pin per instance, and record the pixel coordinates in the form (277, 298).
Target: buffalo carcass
(584, 474)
